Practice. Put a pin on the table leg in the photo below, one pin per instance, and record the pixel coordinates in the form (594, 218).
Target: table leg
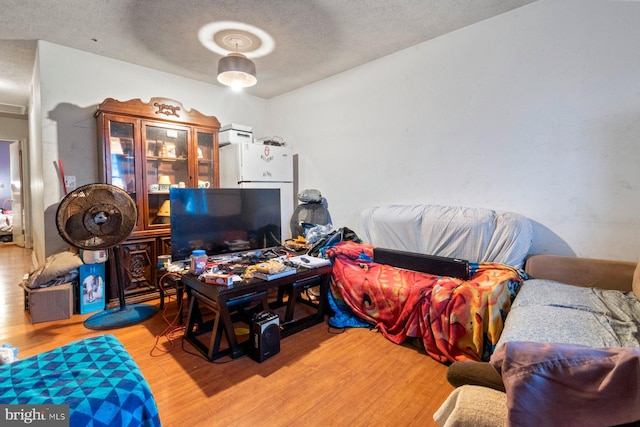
(180, 298)
(214, 345)
(190, 318)
(294, 294)
(227, 323)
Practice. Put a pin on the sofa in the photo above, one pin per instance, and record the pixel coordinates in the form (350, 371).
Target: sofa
(569, 353)
(452, 316)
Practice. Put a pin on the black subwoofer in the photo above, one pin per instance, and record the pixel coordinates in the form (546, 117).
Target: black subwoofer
(265, 336)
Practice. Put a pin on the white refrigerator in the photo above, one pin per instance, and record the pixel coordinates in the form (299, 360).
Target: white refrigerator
(249, 165)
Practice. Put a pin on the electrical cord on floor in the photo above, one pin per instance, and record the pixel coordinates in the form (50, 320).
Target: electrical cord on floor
(172, 331)
(201, 356)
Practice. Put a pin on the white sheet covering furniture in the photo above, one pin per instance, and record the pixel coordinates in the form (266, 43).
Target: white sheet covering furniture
(474, 234)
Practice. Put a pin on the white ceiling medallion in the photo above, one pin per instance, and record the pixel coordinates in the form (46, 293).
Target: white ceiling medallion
(246, 35)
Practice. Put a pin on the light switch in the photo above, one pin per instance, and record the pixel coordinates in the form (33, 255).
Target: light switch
(70, 182)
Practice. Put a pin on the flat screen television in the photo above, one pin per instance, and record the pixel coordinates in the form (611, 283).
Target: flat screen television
(223, 220)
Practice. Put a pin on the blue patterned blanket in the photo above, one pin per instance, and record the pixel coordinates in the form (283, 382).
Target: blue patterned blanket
(96, 377)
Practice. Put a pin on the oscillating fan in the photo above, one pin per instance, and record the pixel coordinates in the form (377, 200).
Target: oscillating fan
(96, 217)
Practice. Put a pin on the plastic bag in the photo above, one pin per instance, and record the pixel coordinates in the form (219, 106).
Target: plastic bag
(8, 354)
(317, 232)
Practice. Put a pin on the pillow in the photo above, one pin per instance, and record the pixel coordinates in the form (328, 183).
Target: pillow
(636, 280)
(569, 385)
(54, 266)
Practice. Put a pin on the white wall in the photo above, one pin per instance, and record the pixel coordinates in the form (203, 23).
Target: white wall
(34, 194)
(73, 83)
(536, 111)
(13, 129)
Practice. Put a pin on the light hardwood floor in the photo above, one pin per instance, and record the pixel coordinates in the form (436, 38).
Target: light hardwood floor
(319, 378)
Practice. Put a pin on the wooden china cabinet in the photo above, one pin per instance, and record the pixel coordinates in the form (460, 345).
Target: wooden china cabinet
(147, 149)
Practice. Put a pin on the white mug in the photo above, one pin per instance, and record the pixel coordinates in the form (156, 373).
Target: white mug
(118, 182)
(204, 184)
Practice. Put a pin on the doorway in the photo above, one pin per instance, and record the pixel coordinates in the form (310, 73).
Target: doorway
(12, 212)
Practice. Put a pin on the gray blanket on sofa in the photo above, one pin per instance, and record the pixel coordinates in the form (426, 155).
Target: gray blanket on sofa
(549, 311)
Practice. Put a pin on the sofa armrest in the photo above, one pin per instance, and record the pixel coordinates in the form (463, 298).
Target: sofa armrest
(468, 372)
(585, 272)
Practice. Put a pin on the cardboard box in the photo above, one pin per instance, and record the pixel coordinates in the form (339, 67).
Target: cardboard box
(218, 279)
(47, 304)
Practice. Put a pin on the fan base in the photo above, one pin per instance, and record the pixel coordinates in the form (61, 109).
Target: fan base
(120, 317)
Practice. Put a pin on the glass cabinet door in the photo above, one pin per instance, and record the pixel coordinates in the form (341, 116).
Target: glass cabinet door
(205, 160)
(122, 156)
(167, 167)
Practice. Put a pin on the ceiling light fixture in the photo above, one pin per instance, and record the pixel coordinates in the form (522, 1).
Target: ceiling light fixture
(237, 71)
(238, 43)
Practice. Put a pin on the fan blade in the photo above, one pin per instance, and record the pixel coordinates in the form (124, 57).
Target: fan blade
(76, 202)
(75, 229)
(101, 195)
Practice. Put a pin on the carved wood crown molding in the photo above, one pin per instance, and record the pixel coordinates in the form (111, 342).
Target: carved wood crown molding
(171, 110)
(166, 109)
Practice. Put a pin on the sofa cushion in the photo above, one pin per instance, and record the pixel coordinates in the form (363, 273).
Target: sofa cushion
(549, 311)
(568, 385)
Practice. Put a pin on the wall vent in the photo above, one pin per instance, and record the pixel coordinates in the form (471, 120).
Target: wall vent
(12, 109)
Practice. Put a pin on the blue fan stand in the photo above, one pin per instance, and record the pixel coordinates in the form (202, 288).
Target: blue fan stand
(120, 317)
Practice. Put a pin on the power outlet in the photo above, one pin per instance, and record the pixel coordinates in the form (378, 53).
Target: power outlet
(70, 182)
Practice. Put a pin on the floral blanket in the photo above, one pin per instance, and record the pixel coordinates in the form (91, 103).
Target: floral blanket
(456, 319)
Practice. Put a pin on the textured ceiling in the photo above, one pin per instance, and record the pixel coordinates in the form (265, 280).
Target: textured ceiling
(314, 38)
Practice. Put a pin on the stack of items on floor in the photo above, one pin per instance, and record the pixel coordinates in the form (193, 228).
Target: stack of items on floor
(63, 285)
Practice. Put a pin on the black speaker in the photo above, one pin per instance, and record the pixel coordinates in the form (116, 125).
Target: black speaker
(430, 264)
(265, 336)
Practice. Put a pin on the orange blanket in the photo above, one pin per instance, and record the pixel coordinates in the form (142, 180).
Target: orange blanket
(456, 319)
